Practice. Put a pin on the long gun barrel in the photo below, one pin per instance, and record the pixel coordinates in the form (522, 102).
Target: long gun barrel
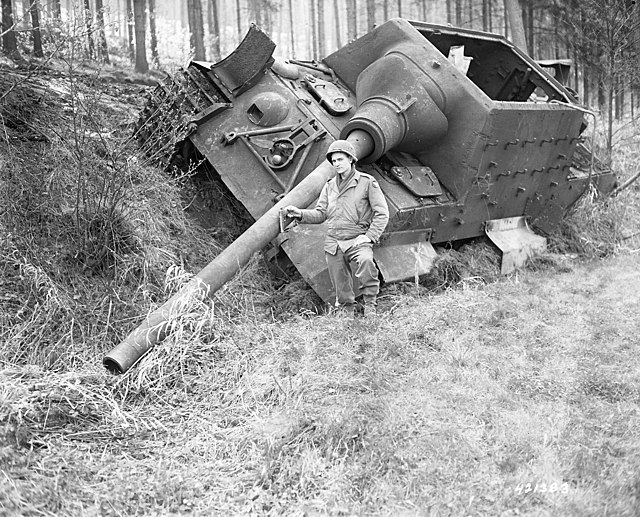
(221, 269)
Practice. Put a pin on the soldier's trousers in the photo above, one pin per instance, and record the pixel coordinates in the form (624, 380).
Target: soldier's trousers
(359, 262)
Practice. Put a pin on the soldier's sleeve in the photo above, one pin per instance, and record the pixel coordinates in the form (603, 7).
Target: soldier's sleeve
(318, 214)
(380, 211)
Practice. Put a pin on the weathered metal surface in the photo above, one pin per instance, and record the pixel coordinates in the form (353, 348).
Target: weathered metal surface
(516, 241)
(303, 246)
(243, 68)
(463, 132)
(405, 255)
(420, 181)
(327, 94)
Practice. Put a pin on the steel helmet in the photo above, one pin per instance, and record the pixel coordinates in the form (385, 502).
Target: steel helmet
(341, 146)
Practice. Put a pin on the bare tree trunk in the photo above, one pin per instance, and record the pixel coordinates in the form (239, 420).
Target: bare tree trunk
(56, 9)
(620, 87)
(529, 14)
(635, 91)
(9, 42)
(515, 21)
(556, 34)
(636, 87)
(153, 34)
(602, 93)
(576, 70)
(336, 17)
(371, 14)
(385, 9)
(25, 15)
(140, 20)
(610, 82)
(213, 17)
(103, 49)
(352, 20)
(400, 8)
(506, 20)
(254, 12)
(267, 16)
(35, 24)
(130, 31)
(321, 39)
(490, 14)
(449, 17)
(525, 23)
(88, 20)
(586, 85)
(314, 29)
(196, 29)
(458, 13)
(291, 25)
(485, 15)
(239, 21)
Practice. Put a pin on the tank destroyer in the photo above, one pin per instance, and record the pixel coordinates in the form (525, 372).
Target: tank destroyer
(466, 135)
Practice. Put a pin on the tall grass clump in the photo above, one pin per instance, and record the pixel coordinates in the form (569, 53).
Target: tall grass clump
(593, 228)
(600, 225)
(473, 264)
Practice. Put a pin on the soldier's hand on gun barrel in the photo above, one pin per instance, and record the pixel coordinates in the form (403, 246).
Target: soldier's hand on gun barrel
(293, 211)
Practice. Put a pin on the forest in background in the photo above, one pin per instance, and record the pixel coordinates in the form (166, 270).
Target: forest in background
(600, 37)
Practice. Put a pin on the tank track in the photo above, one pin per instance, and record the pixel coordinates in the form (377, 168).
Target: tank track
(171, 115)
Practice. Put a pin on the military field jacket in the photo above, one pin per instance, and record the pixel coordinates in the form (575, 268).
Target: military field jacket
(355, 208)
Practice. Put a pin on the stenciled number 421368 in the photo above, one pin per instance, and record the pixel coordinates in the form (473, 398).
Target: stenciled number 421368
(541, 488)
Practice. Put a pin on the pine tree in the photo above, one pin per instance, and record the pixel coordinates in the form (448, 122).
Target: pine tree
(34, 10)
(196, 28)
(140, 21)
(9, 42)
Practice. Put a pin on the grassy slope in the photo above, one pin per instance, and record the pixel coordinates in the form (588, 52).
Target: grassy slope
(516, 397)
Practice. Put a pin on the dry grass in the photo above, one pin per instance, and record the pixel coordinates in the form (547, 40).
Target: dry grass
(595, 228)
(517, 397)
(474, 264)
(598, 227)
(470, 394)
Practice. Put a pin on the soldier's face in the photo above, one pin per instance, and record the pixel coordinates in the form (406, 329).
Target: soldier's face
(341, 162)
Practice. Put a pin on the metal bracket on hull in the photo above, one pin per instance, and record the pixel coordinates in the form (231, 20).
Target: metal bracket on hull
(516, 241)
(416, 177)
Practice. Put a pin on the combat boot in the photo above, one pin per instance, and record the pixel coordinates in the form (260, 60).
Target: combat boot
(346, 311)
(370, 311)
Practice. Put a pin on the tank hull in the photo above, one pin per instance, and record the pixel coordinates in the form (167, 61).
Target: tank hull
(465, 134)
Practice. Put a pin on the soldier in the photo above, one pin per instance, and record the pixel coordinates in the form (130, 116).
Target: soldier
(356, 212)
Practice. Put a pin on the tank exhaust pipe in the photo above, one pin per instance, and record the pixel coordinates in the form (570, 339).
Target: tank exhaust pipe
(233, 258)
